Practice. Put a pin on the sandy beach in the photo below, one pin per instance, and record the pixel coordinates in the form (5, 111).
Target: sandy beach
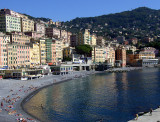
(13, 92)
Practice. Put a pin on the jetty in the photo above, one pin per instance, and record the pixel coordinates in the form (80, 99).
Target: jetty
(124, 69)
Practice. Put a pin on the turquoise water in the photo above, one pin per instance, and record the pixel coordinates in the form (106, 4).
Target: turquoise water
(108, 96)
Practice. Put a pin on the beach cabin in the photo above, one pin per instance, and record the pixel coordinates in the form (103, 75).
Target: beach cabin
(62, 69)
(23, 74)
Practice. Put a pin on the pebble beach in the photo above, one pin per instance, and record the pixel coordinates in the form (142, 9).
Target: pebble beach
(13, 92)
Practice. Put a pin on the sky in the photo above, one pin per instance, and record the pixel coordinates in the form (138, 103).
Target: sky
(66, 10)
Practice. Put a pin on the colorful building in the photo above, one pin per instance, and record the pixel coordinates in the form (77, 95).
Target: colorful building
(68, 51)
(110, 56)
(93, 39)
(48, 50)
(39, 27)
(20, 38)
(87, 37)
(27, 25)
(121, 56)
(100, 41)
(53, 49)
(57, 53)
(9, 23)
(98, 54)
(34, 54)
(4, 40)
(53, 32)
(42, 48)
(18, 55)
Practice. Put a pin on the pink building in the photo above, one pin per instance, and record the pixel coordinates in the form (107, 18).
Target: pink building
(18, 55)
(4, 40)
(35, 35)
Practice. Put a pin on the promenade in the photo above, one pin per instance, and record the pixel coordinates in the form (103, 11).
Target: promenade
(155, 117)
(12, 93)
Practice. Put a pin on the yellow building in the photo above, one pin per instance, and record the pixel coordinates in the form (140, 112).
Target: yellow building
(20, 38)
(34, 54)
(145, 55)
(98, 54)
(27, 25)
(68, 51)
(42, 50)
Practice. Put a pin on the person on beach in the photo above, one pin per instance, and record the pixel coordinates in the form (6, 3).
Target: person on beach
(151, 110)
(42, 106)
(136, 116)
(1, 104)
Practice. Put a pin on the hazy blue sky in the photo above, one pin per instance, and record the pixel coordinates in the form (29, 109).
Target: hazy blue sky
(64, 10)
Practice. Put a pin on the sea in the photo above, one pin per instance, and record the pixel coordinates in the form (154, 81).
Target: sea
(106, 97)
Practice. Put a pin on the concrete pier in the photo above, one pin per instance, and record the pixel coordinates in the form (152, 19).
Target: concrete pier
(155, 117)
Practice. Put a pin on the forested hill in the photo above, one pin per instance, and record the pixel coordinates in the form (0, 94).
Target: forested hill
(141, 22)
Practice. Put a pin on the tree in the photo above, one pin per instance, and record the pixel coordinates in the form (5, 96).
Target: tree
(83, 49)
(67, 59)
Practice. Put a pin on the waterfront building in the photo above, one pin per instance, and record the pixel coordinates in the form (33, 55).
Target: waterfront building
(59, 51)
(145, 55)
(98, 54)
(62, 69)
(34, 54)
(53, 32)
(27, 25)
(53, 51)
(18, 55)
(149, 62)
(48, 50)
(9, 23)
(4, 40)
(42, 48)
(121, 56)
(150, 49)
(20, 38)
(110, 56)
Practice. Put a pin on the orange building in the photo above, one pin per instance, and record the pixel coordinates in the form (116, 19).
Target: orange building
(121, 55)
